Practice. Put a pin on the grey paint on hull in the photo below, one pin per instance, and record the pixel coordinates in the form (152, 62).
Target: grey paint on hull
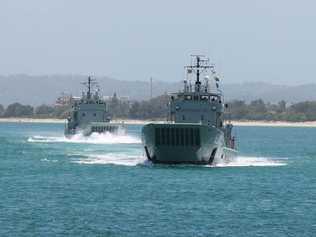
(211, 148)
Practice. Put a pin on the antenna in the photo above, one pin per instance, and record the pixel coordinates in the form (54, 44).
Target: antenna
(185, 86)
(89, 87)
(199, 64)
(206, 83)
(89, 84)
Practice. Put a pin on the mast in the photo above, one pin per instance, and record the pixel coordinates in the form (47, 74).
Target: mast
(91, 82)
(201, 65)
(89, 87)
(198, 83)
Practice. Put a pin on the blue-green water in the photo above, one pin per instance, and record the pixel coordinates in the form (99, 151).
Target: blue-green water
(101, 186)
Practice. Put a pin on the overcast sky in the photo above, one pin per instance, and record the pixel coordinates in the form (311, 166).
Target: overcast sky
(248, 40)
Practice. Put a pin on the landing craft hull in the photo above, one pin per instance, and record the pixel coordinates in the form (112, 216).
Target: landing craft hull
(95, 127)
(185, 144)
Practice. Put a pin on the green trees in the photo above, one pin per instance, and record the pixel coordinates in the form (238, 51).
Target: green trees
(135, 111)
(238, 109)
(44, 111)
(61, 112)
(1, 110)
(258, 110)
(303, 110)
(258, 106)
(157, 108)
(281, 106)
(118, 108)
(18, 110)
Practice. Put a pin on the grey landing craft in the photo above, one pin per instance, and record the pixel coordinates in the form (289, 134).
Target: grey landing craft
(195, 131)
(89, 114)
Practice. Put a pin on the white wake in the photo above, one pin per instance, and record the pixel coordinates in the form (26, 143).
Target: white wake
(94, 138)
(243, 161)
(126, 159)
(112, 159)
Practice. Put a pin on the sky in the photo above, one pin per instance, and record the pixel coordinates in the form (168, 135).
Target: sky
(248, 40)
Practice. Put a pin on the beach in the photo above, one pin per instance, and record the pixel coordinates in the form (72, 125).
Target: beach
(31, 120)
(275, 123)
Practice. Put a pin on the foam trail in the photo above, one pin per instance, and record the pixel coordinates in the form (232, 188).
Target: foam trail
(134, 160)
(243, 161)
(112, 159)
(94, 138)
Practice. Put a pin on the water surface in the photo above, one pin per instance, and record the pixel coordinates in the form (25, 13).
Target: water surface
(103, 186)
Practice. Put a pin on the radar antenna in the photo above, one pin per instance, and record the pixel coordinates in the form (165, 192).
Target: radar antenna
(89, 84)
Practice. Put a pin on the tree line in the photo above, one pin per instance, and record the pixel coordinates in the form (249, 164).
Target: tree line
(157, 108)
(18, 110)
(281, 111)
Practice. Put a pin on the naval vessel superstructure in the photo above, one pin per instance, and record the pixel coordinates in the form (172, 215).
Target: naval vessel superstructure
(195, 132)
(89, 114)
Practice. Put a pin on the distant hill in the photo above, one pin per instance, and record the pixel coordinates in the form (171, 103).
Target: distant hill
(36, 90)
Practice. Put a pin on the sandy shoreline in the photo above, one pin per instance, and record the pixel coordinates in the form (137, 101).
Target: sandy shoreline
(142, 122)
(275, 123)
(31, 120)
